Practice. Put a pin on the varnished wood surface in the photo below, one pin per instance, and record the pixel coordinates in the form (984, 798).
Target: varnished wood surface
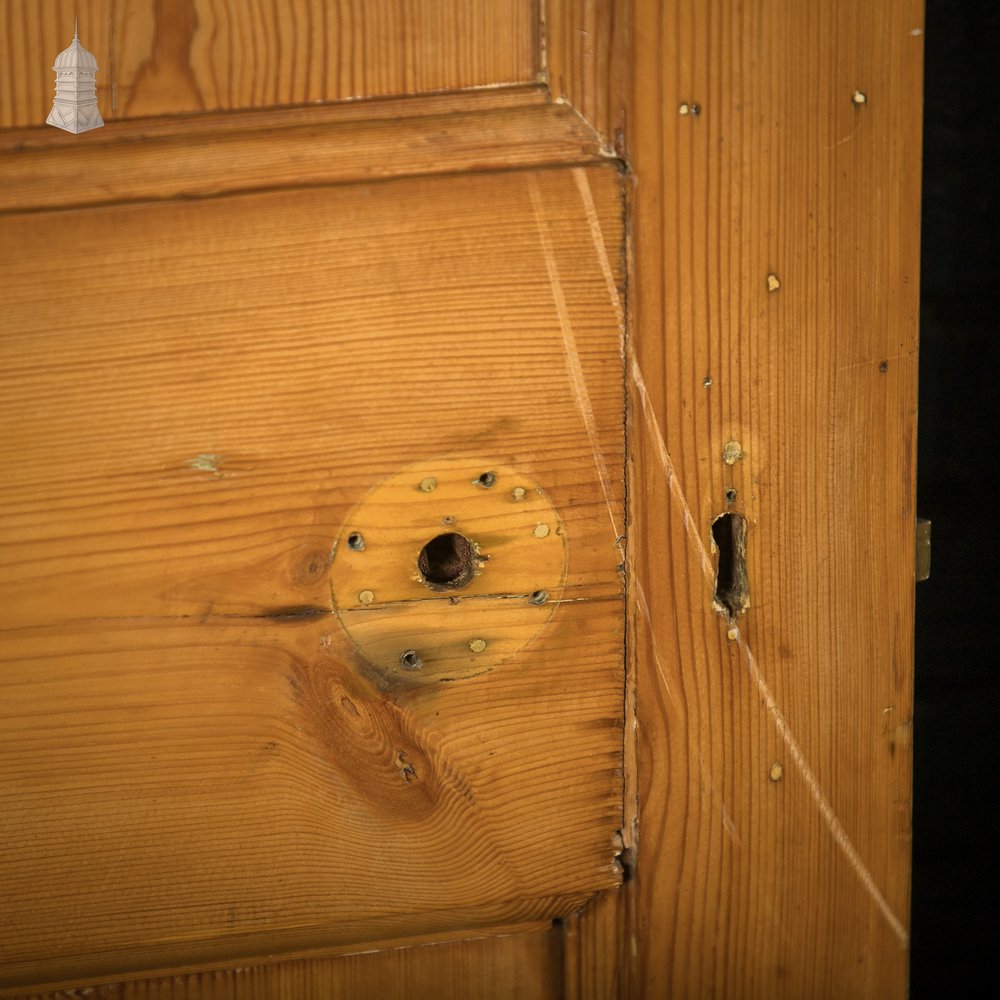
(594, 957)
(775, 767)
(510, 967)
(587, 59)
(366, 141)
(175, 57)
(774, 303)
(197, 765)
(213, 123)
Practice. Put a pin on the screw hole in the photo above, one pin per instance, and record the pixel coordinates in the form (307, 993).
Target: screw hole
(410, 660)
(539, 597)
(487, 480)
(730, 495)
(356, 541)
(447, 562)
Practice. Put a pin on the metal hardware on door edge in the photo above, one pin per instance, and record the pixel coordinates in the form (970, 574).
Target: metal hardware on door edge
(923, 560)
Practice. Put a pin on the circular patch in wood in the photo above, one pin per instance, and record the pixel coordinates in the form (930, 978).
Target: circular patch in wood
(447, 569)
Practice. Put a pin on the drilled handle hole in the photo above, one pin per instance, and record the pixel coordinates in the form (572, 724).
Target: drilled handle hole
(447, 562)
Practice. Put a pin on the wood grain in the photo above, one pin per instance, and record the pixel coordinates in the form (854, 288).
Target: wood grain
(174, 57)
(587, 58)
(194, 406)
(196, 763)
(775, 767)
(31, 36)
(209, 124)
(154, 160)
(595, 957)
(509, 967)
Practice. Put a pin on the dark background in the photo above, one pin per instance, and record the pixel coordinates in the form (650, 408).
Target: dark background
(956, 937)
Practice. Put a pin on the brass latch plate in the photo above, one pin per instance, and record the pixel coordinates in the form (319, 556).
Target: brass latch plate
(923, 563)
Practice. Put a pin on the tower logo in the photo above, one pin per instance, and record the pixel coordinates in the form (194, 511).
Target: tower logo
(75, 106)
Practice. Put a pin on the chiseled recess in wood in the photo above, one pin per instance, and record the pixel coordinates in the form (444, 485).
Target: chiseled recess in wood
(164, 167)
(587, 59)
(523, 966)
(184, 56)
(756, 880)
(180, 452)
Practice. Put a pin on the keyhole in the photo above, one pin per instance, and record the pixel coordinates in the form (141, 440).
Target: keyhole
(732, 596)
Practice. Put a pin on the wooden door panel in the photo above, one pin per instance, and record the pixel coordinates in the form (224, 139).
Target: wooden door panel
(208, 750)
(776, 750)
(196, 425)
(519, 966)
(191, 156)
(232, 340)
(185, 56)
